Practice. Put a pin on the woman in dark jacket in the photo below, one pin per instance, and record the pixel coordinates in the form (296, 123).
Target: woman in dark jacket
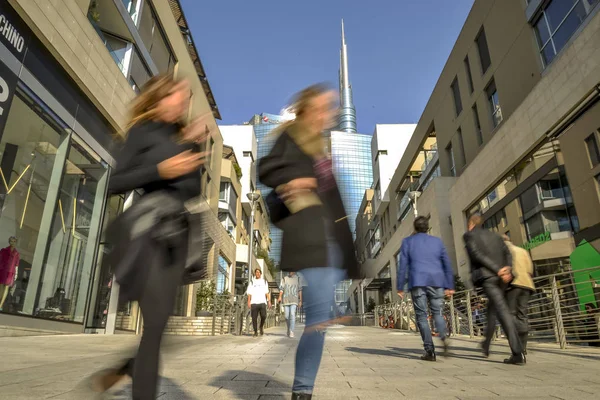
(317, 241)
(157, 156)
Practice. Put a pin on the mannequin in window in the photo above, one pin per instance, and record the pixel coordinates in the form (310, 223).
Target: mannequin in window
(9, 263)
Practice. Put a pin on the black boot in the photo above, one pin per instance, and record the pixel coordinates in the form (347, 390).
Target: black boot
(516, 359)
(485, 349)
(428, 356)
(301, 396)
(523, 338)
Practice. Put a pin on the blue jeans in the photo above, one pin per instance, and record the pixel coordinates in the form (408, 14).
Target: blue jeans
(290, 316)
(435, 295)
(318, 302)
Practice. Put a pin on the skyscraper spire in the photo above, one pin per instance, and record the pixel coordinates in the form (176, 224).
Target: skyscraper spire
(347, 118)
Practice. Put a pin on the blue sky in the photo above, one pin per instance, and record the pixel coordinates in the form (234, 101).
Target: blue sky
(258, 53)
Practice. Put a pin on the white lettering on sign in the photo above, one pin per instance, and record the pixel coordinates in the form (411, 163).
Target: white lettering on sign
(11, 34)
(4, 92)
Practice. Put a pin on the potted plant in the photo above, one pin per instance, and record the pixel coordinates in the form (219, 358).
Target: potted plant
(205, 296)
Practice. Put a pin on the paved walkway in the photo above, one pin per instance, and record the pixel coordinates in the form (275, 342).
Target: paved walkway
(358, 363)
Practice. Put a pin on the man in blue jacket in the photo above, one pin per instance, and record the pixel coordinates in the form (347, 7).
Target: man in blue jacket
(424, 263)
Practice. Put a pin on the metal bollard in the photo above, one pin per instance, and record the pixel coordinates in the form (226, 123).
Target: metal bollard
(560, 328)
(452, 316)
(470, 315)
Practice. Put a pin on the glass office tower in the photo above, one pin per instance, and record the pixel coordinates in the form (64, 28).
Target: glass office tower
(353, 169)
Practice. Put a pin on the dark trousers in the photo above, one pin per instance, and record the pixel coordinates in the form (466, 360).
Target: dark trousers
(255, 310)
(498, 308)
(156, 304)
(518, 300)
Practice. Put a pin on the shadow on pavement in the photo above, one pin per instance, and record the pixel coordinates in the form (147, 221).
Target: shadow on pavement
(240, 384)
(534, 349)
(415, 354)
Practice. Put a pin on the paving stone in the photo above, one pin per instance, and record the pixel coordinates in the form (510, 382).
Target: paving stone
(358, 363)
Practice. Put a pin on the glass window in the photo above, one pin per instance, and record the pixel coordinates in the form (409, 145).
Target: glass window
(224, 191)
(28, 148)
(593, 150)
(557, 23)
(494, 102)
(139, 73)
(469, 75)
(461, 147)
(68, 264)
(484, 52)
(154, 40)
(456, 95)
(450, 153)
(223, 275)
(114, 206)
(478, 132)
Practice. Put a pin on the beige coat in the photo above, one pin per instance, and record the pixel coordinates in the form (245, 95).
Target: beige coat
(522, 268)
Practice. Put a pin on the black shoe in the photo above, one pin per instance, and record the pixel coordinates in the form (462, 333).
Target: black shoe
(255, 334)
(428, 356)
(485, 349)
(516, 359)
(262, 332)
(301, 396)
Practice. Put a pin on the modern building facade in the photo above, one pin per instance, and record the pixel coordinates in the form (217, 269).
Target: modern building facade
(68, 70)
(351, 156)
(515, 117)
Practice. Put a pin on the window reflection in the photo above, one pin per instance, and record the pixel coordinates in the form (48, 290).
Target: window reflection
(27, 153)
(68, 262)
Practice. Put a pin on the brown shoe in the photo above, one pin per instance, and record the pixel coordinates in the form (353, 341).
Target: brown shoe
(104, 380)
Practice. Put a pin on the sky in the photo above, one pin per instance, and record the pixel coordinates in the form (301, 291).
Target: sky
(258, 53)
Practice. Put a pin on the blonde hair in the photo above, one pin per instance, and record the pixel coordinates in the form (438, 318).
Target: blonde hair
(311, 145)
(143, 106)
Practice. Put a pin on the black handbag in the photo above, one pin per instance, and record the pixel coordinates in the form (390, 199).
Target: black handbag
(277, 208)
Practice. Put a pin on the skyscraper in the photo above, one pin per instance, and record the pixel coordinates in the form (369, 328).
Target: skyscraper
(347, 117)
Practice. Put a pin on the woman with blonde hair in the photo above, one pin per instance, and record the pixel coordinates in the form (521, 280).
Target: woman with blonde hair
(306, 204)
(159, 157)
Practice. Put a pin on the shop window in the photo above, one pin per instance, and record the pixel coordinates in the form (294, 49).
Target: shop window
(27, 157)
(68, 262)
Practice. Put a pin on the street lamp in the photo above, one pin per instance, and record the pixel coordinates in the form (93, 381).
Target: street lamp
(253, 197)
(413, 196)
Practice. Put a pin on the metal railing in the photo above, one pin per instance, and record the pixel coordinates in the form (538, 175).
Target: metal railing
(564, 309)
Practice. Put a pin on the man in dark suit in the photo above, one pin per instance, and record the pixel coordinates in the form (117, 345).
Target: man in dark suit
(491, 263)
(425, 260)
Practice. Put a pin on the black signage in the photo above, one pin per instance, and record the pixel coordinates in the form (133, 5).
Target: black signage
(13, 33)
(8, 85)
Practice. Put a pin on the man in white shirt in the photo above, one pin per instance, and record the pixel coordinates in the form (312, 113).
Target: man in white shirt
(258, 298)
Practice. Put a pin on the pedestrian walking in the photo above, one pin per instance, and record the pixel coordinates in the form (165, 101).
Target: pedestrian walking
(424, 264)
(290, 298)
(520, 289)
(258, 299)
(307, 206)
(491, 264)
(162, 157)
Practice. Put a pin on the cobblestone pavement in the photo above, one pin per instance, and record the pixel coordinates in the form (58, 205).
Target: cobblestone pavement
(358, 363)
